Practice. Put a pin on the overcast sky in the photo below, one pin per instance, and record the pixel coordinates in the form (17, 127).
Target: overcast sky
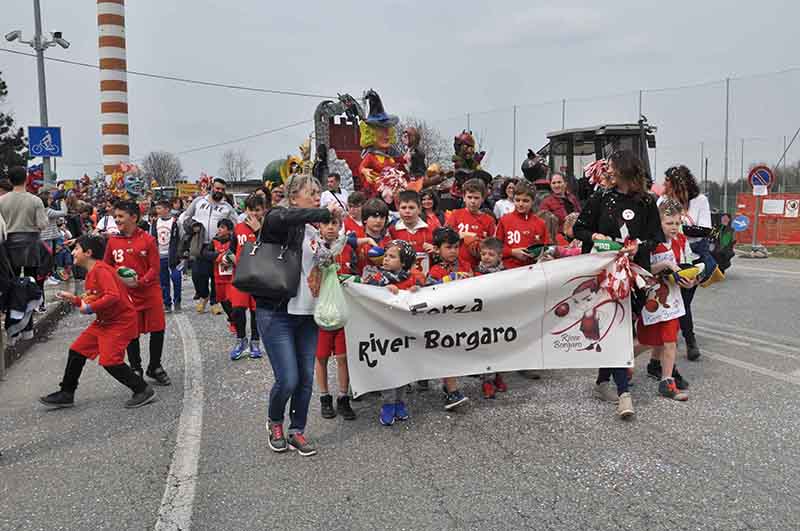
(434, 60)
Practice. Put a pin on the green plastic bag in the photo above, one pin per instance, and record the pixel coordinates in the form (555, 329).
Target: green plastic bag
(331, 312)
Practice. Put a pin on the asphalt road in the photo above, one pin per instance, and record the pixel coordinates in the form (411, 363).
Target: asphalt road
(543, 456)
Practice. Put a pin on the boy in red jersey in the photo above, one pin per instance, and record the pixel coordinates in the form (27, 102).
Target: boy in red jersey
(410, 227)
(472, 225)
(135, 249)
(374, 214)
(353, 222)
(447, 243)
(220, 252)
(247, 231)
(108, 336)
(521, 229)
(663, 336)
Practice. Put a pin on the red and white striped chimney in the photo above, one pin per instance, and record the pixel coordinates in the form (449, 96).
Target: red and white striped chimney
(113, 83)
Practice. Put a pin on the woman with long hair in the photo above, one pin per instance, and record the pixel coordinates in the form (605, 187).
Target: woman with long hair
(505, 204)
(680, 185)
(431, 213)
(628, 213)
(287, 326)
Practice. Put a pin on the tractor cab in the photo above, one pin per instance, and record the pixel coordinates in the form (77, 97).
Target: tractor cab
(569, 150)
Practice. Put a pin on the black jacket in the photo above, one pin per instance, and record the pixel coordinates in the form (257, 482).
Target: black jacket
(607, 210)
(286, 226)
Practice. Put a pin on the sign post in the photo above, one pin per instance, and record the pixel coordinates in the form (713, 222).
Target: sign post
(761, 178)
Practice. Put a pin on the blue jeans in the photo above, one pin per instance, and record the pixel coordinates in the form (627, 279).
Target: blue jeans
(291, 344)
(166, 275)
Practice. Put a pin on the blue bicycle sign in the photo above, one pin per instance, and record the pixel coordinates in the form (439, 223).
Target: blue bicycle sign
(44, 141)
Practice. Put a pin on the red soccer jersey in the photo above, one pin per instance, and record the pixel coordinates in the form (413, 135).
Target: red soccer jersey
(481, 224)
(223, 273)
(678, 247)
(351, 225)
(520, 231)
(243, 234)
(363, 258)
(139, 252)
(442, 270)
(107, 296)
(420, 235)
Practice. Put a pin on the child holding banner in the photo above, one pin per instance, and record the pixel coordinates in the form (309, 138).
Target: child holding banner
(397, 273)
(661, 332)
(472, 225)
(374, 215)
(410, 227)
(521, 229)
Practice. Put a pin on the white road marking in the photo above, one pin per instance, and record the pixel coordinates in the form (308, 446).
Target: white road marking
(786, 341)
(175, 513)
(788, 378)
(768, 270)
(743, 341)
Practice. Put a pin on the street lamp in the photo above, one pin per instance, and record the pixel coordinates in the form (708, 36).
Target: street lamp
(40, 44)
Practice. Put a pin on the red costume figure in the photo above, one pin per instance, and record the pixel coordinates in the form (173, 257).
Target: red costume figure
(520, 231)
(480, 224)
(378, 135)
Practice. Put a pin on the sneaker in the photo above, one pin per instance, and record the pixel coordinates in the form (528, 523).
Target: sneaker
(606, 391)
(59, 399)
(167, 308)
(625, 406)
(52, 281)
(200, 306)
(500, 384)
(454, 399)
(276, 440)
(298, 442)
(27, 335)
(159, 375)
(255, 350)
(668, 389)
(423, 386)
(488, 389)
(139, 371)
(216, 309)
(140, 399)
(344, 409)
(176, 307)
(692, 350)
(387, 414)
(326, 407)
(680, 382)
(239, 350)
(654, 369)
(400, 411)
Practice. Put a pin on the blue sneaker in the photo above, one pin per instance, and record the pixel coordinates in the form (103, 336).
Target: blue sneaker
(454, 399)
(239, 350)
(400, 411)
(388, 414)
(255, 350)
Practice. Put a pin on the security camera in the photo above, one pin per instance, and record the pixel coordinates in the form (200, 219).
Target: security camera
(13, 35)
(61, 42)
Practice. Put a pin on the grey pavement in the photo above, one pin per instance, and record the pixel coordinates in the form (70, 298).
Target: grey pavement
(543, 456)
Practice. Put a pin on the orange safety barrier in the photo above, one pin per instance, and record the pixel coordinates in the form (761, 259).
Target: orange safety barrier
(778, 221)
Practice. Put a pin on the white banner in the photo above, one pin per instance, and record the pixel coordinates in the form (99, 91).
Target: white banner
(547, 316)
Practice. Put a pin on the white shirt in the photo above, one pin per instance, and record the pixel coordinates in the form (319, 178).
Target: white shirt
(304, 302)
(503, 207)
(164, 235)
(328, 197)
(107, 224)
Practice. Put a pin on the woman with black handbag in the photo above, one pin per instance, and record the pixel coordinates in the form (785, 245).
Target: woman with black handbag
(285, 305)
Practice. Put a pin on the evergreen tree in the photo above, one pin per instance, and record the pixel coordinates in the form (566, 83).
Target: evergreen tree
(13, 143)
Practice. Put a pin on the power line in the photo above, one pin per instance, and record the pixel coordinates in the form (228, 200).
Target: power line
(242, 139)
(182, 79)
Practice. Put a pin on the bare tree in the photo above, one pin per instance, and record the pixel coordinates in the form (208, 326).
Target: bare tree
(162, 166)
(235, 166)
(437, 148)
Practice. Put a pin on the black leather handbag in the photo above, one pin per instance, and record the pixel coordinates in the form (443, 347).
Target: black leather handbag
(268, 270)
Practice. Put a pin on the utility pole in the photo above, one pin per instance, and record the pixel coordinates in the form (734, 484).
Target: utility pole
(514, 149)
(563, 113)
(783, 180)
(705, 178)
(468, 127)
(40, 44)
(725, 163)
(741, 171)
(639, 117)
(703, 158)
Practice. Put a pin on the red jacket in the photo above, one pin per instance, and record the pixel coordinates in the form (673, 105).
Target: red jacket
(554, 204)
(243, 234)
(351, 225)
(140, 253)
(420, 235)
(109, 300)
(223, 273)
(376, 163)
(518, 232)
(482, 224)
(442, 270)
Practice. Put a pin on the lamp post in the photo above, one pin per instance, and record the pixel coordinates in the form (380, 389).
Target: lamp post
(39, 43)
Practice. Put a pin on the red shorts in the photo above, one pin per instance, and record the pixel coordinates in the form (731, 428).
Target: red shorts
(223, 291)
(331, 342)
(109, 343)
(152, 319)
(655, 335)
(240, 299)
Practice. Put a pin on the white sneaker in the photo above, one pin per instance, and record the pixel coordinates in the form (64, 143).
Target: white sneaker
(606, 391)
(625, 406)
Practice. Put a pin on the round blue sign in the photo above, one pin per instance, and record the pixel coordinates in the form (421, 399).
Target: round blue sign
(740, 223)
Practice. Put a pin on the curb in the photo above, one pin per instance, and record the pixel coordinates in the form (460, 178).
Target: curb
(43, 325)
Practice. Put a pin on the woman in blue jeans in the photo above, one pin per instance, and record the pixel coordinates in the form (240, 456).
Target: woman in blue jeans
(287, 326)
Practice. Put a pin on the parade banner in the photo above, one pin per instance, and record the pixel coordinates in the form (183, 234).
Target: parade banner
(553, 315)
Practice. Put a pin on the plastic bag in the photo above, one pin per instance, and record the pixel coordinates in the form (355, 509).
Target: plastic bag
(331, 312)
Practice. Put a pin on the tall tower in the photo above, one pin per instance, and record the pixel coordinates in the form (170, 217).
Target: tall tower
(113, 83)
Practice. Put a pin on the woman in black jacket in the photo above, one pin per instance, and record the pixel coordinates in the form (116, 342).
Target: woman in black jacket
(626, 213)
(287, 326)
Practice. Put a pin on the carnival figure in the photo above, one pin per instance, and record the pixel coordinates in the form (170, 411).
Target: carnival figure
(378, 135)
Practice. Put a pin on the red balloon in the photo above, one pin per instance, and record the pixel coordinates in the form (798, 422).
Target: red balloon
(562, 309)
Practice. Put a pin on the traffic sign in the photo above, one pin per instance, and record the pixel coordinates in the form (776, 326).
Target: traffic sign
(740, 223)
(45, 141)
(761, 176)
